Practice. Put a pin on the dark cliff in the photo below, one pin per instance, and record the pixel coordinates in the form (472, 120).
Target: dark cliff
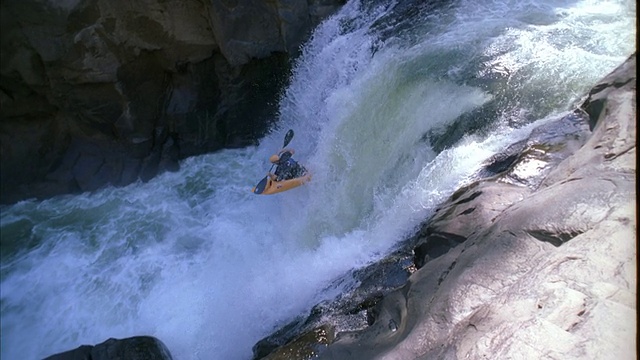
(97, 92)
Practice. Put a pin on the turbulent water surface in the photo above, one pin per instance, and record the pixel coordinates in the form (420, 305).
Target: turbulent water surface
(394, 105)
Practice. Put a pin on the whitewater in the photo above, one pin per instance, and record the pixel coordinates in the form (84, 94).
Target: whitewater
(394, 105)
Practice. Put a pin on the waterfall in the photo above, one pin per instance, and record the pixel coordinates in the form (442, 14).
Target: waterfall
(394, 105)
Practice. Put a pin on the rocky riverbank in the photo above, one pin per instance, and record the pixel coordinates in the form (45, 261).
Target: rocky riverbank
(98, 92)
(535, 260)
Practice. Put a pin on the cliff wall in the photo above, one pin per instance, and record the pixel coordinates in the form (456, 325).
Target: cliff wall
(97, 92)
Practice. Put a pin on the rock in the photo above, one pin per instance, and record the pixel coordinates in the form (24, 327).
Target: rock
(523, 264)
(611, 148)
(470, 209)
(351, 311)
(133, 348)
(153, 82)
(307, 346)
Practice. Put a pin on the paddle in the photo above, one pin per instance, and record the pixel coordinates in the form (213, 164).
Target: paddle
(258, 189)
(287, 139)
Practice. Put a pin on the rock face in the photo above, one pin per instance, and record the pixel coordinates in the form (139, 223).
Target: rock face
(516, 266)
(97, 92)
(133, 348)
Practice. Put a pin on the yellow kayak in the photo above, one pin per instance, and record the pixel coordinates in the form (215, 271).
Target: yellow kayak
(267, 186)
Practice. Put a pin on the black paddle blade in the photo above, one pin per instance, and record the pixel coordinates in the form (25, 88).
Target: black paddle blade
(261, 186)
(288, 137)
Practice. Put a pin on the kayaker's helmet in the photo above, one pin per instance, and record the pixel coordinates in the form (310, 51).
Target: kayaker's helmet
(274, 159)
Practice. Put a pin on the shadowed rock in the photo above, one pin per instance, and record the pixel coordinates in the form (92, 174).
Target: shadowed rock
(101, 92)
(133, 348)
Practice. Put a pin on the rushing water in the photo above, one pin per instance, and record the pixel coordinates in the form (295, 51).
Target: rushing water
(394, 106)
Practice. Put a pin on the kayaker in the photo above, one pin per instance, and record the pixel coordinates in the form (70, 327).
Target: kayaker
(287, 167)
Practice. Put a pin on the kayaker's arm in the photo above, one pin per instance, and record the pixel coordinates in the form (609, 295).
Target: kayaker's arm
(285, 155)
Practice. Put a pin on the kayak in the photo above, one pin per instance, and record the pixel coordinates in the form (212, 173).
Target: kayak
(269, 187)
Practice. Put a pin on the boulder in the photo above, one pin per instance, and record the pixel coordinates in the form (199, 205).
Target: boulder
(133, 348)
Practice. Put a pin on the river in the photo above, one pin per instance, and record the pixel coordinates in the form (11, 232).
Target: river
(394, 106)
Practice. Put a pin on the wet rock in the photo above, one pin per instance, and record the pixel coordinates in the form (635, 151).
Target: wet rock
(133, 348)
(307, 346)
(528, 162)
(354, 310)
